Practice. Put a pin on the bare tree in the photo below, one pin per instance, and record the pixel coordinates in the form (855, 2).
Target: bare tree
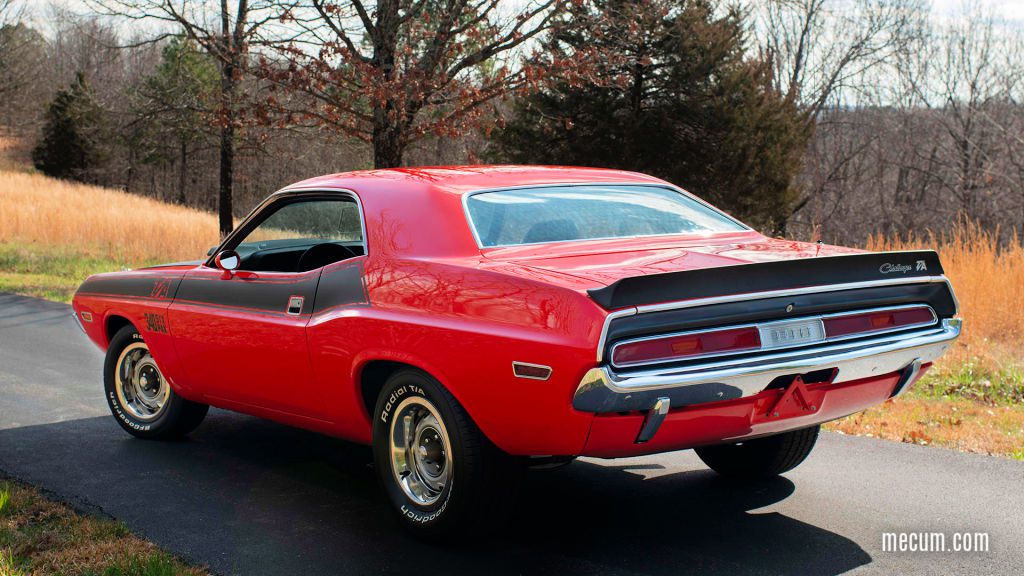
(1010, 124)
(824, 51)
(934, 138)
(22, 51)
(227, 32)
(390, 72)
(821, 48)
(11, 13)
(958, 76)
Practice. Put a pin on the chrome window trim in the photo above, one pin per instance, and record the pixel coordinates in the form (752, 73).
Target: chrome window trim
(759, 325)
(682, 304)
(476, 236)
(292, 191)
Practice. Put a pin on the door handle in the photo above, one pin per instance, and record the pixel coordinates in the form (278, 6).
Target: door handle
(295, 305)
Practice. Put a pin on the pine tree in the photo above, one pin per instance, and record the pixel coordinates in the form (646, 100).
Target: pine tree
(175, 108)
(68, 148)
(676, 96)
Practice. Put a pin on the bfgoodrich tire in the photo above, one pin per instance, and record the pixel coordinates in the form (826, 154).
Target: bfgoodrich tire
(763, 457)
(139, 396)
(439, 471)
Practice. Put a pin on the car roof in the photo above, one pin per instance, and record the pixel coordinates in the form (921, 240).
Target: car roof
(463, 179)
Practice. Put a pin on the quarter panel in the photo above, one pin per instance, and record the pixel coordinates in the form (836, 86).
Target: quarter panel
(465, 325)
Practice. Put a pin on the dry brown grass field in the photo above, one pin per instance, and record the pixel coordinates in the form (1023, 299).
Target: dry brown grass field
(971, 399)
(54, 233)
(99, 222)
(989, 282)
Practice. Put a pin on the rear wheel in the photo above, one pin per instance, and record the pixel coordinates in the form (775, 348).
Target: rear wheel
(139, 396)
(763, 457)
(439, 471)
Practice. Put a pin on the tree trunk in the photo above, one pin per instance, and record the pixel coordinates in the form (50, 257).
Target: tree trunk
(227, 167)
(227, 148)
(183, 172)
(130, 181)
(388, 145)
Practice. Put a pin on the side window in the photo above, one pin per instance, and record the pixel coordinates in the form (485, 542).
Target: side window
(304, 235)
(311, 220)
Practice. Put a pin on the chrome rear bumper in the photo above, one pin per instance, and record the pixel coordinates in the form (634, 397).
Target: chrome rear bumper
(602, 390)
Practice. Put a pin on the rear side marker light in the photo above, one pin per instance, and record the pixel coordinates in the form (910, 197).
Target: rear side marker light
(531, 371)
(685, 345)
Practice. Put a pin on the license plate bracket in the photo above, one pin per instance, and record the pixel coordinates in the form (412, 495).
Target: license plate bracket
(796, 400)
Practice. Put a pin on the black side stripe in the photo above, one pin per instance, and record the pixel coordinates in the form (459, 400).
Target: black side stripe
(341, 286)
(335, 287)
(238, 293)
(155, 287)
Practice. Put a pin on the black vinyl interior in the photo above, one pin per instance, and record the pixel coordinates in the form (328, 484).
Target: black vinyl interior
(298, 257)
(323, 254)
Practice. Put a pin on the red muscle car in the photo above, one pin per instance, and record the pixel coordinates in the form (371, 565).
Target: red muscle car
(462, 318)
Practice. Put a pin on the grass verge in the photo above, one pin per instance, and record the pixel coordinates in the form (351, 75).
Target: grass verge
(955, 423)
(970, 406)
(51, 273)
(39, 536)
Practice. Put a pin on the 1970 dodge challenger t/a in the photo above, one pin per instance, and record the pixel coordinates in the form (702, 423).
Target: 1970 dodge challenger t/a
(455, 318)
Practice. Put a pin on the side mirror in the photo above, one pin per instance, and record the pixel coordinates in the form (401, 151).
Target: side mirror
(228, 261)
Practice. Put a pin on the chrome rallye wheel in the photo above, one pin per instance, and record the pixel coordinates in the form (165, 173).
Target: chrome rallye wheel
(421, 456)
(440, 473)
(141, 388)
(139, 396)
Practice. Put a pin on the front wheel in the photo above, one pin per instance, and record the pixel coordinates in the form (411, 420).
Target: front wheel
(763, 457)
(139, 396)
(439, 471)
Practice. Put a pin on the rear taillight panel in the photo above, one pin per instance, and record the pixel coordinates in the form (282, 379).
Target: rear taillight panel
(767, 336)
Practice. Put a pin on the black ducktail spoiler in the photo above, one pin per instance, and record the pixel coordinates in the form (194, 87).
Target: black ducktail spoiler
(767, 276)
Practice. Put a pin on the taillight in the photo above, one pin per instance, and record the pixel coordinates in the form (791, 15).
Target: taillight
(687, 345)
(876, 321)
(770, 335)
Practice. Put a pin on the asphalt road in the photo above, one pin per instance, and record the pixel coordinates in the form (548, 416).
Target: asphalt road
(246, 496)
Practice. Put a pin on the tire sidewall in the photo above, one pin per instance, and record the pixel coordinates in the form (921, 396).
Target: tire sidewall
(399, 387)
(143, 428)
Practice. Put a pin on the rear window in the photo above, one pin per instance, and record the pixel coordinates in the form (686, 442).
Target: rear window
(589, 212)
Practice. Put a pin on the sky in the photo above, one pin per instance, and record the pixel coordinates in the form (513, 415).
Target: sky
(1009, 10)
(1012, 10)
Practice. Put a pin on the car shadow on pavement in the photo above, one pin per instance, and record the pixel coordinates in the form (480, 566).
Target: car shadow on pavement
(247, 496)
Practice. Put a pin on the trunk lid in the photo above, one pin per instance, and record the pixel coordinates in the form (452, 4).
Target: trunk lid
(602, 263)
